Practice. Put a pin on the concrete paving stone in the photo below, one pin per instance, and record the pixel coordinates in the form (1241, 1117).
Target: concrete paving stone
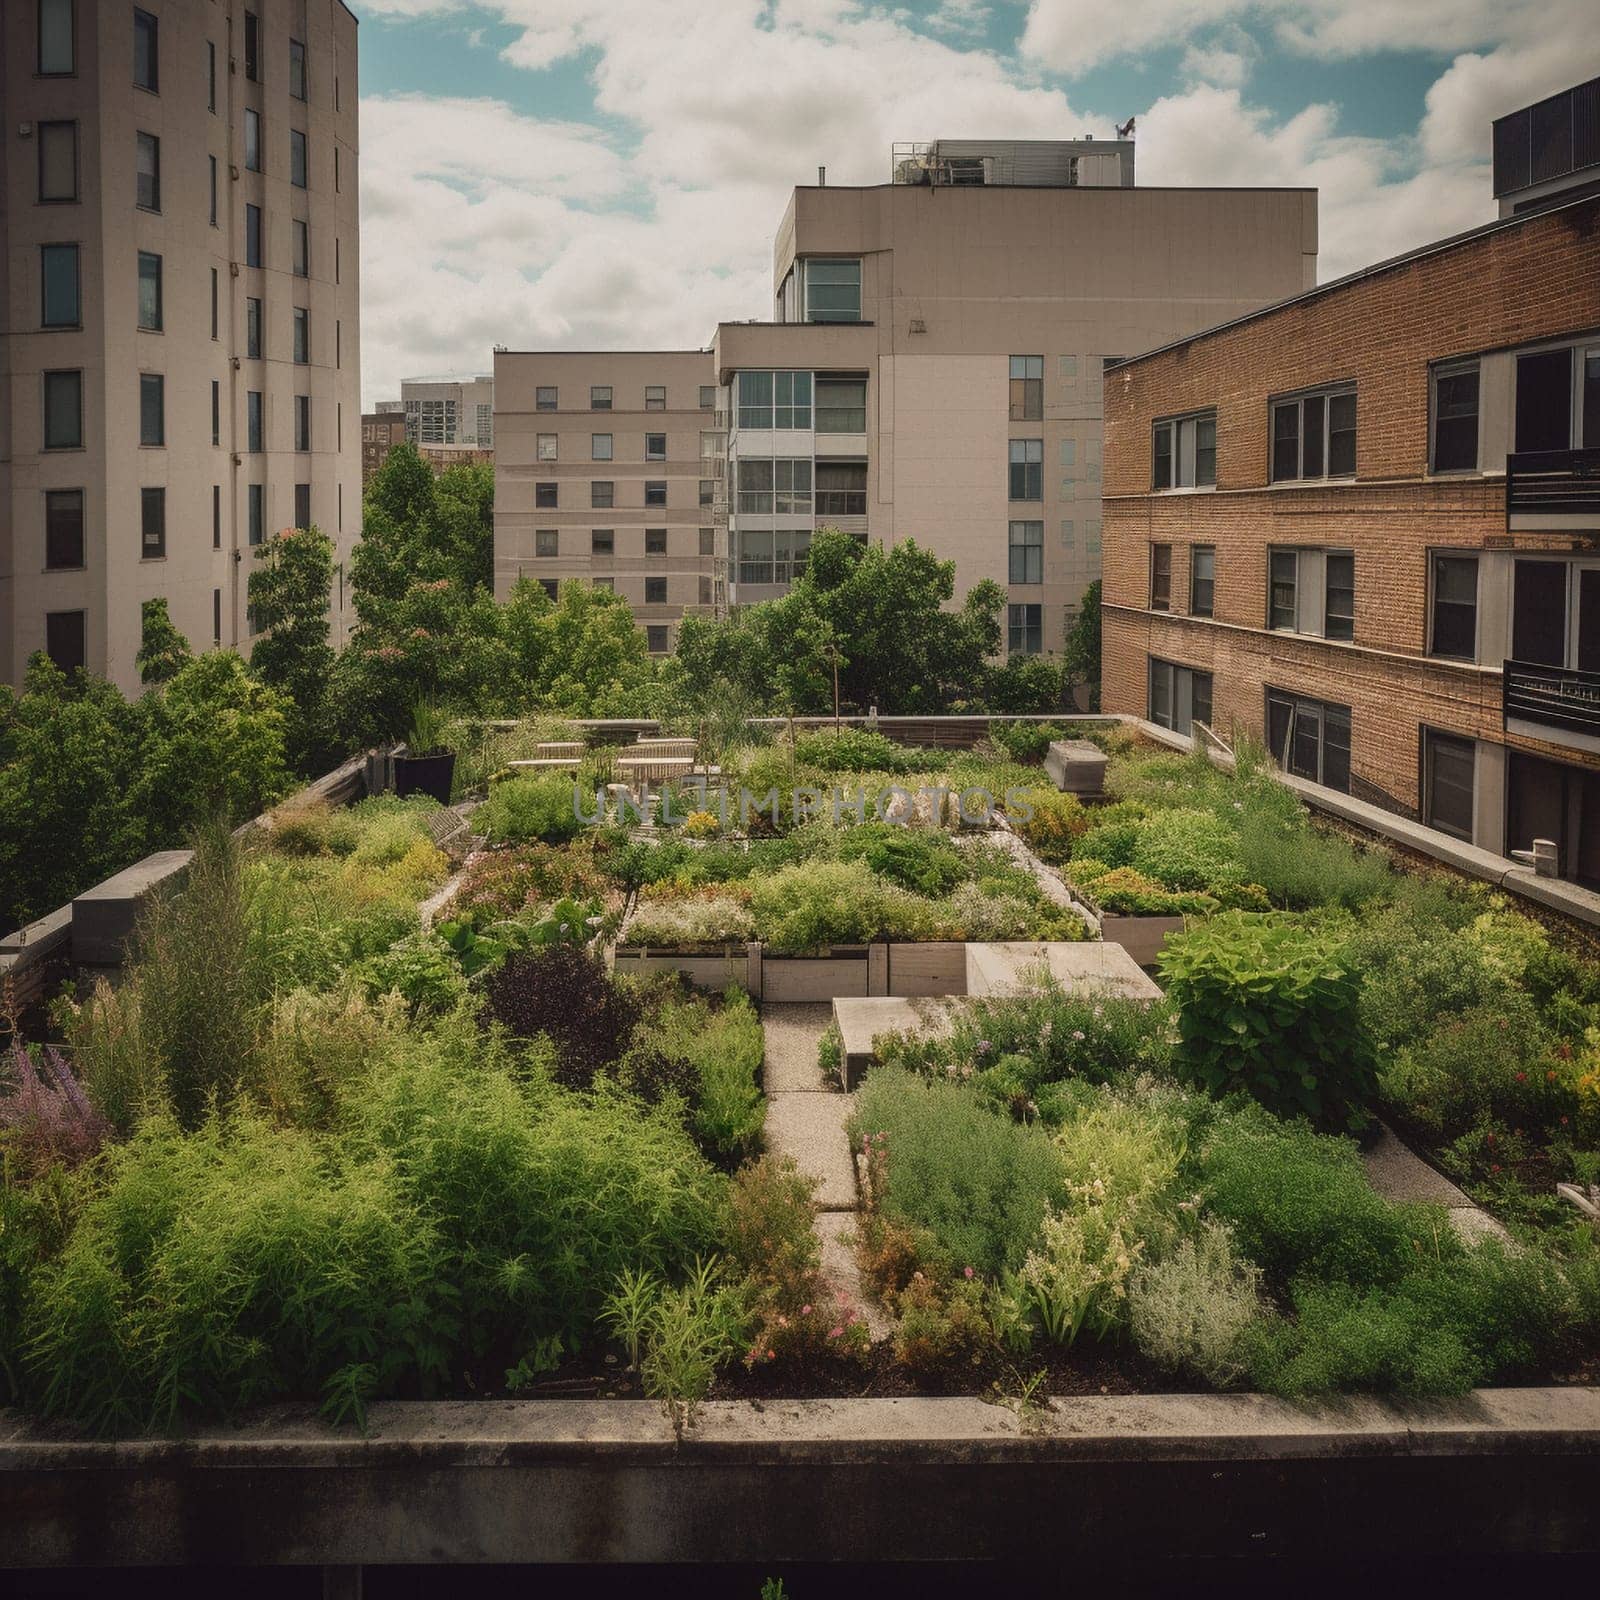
(793, 1032)
(836, 1229)
(1399, 1174)
(810, 1127)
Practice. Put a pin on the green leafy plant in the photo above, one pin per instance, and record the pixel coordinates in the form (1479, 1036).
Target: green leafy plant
(1190, 1310)
(520, 810)
(425, 732)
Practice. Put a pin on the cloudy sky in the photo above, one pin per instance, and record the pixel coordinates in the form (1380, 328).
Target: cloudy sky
(591, 174)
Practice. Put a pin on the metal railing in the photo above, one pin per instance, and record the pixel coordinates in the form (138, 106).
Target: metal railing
(1553, 483)
(1552, 697)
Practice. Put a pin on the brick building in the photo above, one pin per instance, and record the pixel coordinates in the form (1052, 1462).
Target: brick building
(1363, 525)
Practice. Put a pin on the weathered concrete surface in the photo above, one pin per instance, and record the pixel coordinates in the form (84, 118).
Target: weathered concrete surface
(1079, 968)
(1398, 1173)
(863, 1022)
(1076, 766)
(792, 1034)
(103, 917)
(604, 1481)
(809, 1126)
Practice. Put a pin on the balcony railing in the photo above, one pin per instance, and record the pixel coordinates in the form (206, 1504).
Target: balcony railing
(1546, 483)
(1552, 697)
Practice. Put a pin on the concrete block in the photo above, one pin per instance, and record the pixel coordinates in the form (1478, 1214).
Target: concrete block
(1090, 967)
(1144, 938)
(103, 917)
(789, 978)
(1076, 766)
(926, 969)
(47, 933)
(726, 970)
(862, 1023)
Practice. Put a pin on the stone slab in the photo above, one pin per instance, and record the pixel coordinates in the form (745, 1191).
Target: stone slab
(103, 917)
(1399, 1173)
(1076, 766)
(809, 1126)
(863, 1022)
(1087, 967)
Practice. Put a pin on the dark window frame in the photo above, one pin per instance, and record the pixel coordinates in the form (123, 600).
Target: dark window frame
(153, 509)
(1446, 372)
(153, 383)
(42, 134)
(147, 24)
(157, 326)
(1430, 743)
(71, 69)
(75, 373)
(1160, 577)
(1313, 466)
(76, 320)
(153, 206)
(69, 541)
(1195, 580)
(1025, 389)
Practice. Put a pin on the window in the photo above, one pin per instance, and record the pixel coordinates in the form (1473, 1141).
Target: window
(147, 172)
(1455, 417)
(64, 639)
(252, 236)
(56, 44)
(216, 516)
(297, 158)
(1027, 388)
(1454, 619)
(146, 52)
(551, 587)
(655, 639)
(1202, 579)
(841, 488)
(774, 399)
(655, 492)
(655, 447)
(297, 69)
(302, 335)
(545, 496)
(252, 413)
(1179, 696)
(1283, 576)
(545, 398)
(149, 292)
(152, 524)
(1314, 436)
(256, 497)
(213, 209)
(841, 405)
(603, 541)
(58, 275)
(211, 76)
(655, 591)
(1558, 400)
(302, 422)
(833, 291)
(63, 410)
(655, 541)
(1310, 738)
(1025, 629)
(1339, 595)
(216, 412)
(775, 487)
(547, 542)
(252, 47)
(216, 616)
(63, 529)
(252, 327)
(546, 446)
(1027, 552)
(708, 491)
(602, 494)
(215, 301)
(599, 446)
(1539, 607)
(1448, 769)
(302, 505)
(1161, 577)
(708, 541)
(600, 397)
(252, 140)
(58, 161)
(1027, 469)
(302, 249)
(708, 396)
(655, 397)
(152, 409)
(1184, 453)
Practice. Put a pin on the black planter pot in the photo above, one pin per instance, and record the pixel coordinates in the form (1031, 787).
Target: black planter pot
(431, 775)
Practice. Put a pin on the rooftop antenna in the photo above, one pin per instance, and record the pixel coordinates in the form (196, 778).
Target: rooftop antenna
(1125, 129)
(822, 177)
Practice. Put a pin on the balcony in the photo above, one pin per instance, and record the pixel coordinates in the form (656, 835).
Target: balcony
(1552, 489)
(1558, 704)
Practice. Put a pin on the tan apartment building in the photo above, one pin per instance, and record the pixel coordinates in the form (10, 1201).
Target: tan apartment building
(609, 470)
(449, 411)
(182, 312)
(933, 369)
(1364, 525)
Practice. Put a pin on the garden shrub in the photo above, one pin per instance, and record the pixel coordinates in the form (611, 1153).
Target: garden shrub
(806, 908)
(1188, 849)
(316, 1044)
(1299, 1204)
(520, 810)
(1271, 1007)
(927, 863)
(1125, 891)
(710, 917)
(862, 750)
(1027, 742)
(500, 884)
(1111, 840)
(231, 1265)
(942, 1326)
(1050, 823)
(1188, 1311)
(313, 828)
(564, 992)
(1302, 867)
(976, 1184)
(724, 1047)
(420, 969)
(984, 915)
(46, 1119)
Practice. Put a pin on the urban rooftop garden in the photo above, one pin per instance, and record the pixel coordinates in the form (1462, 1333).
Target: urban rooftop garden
(377, 1106)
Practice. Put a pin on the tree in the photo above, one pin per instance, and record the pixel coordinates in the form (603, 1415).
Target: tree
(289, 597)
(1081, 656)
(163, 651)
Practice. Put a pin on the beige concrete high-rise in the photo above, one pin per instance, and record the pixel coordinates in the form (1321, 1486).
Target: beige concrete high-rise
(181, 292)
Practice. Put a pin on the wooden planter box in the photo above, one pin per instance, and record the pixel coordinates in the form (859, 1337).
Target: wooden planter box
(849, 971)
(705, 966)
(1142, 937)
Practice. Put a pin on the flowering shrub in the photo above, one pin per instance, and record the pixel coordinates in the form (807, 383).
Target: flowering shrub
(1124, 891)
(704, 917)
(499, 884)
(1057, 823)
(45, 1117)
(807, 907)
(943, 1327)
(702, 825)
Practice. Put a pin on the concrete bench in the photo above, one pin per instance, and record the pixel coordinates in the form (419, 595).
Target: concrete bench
(1076, 766)
(861, 1023)
(545, 764)
(570, 749)
(104, 917)
(1089, 967)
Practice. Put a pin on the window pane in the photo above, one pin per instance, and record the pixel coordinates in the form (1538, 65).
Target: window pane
(65, 639)
(252, 236)
(302, 250)
(755, 399)
(1161, 693)
(252, 140)
(58, 161)
(297, 158)
(655, 447)
(1200, 697)
(253, 428)
(1284, 570)
(602, 541)
(252, 47)
(1336, 748)
(1202, 570)
(841, 405)
(1539, 613)
(544, 398)
(302, 335)
(1205, 450)
(1027, 552)
(59, 270)
(600, 446)
(146, 51)
(1160, 577)
(1341, 435)
(1448, 782)
(833, 291)
(147, 171)
(257, 498)
(1455, 606)
(63, 410)
(297, 69)
(546, 447)
(152, 524)
(152, 409)
(1286, 441)
(149, 291)
(1340, 595)
(252, 328)
(1544, 400)
(63, 528)
(1313, 416)
(600, 397)
(601, 493)
(1161, 475)
(1455, 420)
(55, 36)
